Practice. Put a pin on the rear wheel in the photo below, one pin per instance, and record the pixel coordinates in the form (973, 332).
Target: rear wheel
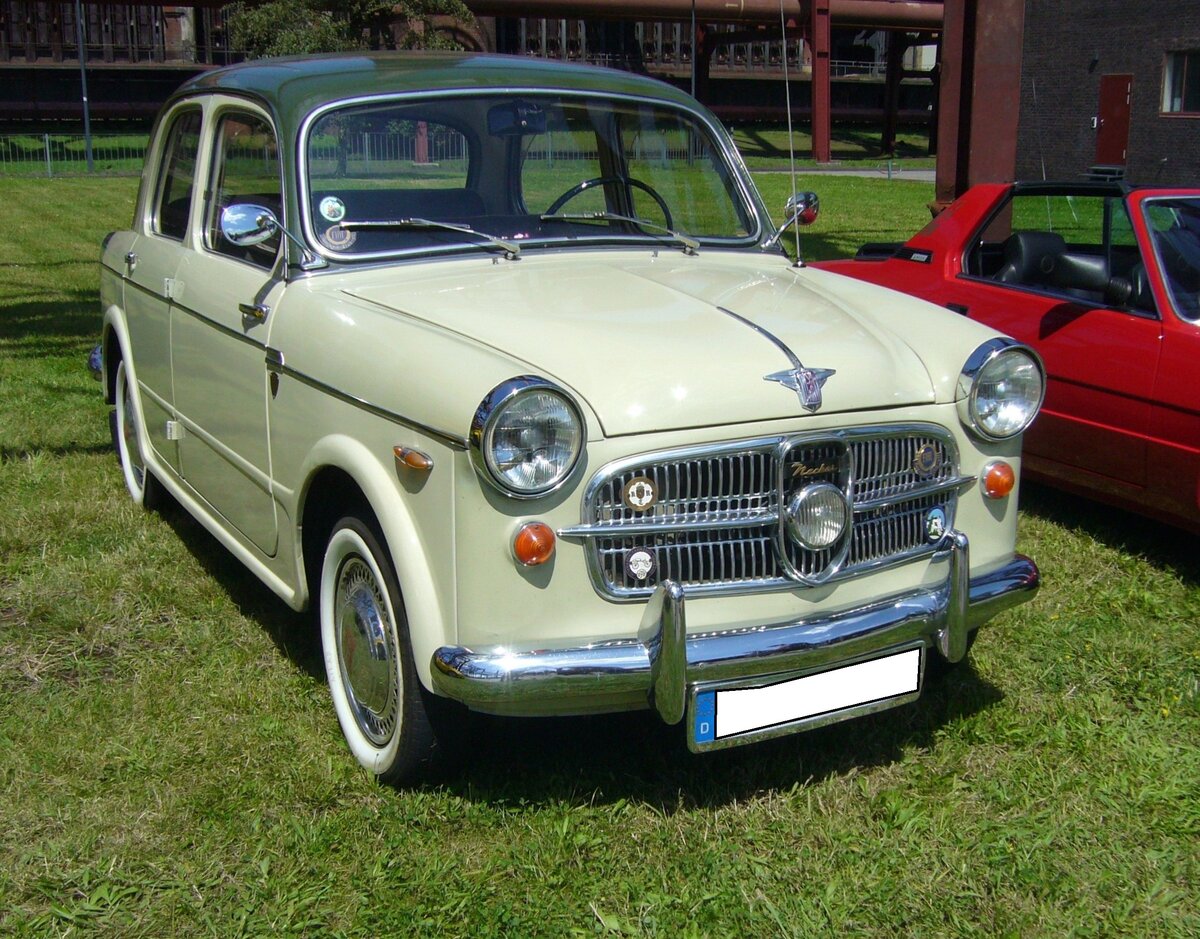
(143, 488)
(368, 656)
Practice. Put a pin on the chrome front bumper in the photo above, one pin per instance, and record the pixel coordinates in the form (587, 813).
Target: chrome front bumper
(664, 669)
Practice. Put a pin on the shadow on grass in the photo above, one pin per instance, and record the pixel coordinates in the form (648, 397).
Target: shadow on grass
(847, 142)
(51, 322)
(606, 758)
(294, 634)
(635, 757)
(1166, 547)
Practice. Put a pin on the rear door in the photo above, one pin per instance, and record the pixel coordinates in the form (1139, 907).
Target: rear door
(163, 241)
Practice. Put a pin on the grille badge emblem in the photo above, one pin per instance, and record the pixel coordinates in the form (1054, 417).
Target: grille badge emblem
(639, 564)
(927, 460)
(935, 524)
(639, 494)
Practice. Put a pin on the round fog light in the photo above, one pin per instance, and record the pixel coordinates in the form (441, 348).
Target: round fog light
(534, 544)
(817, 516)
(998, 480)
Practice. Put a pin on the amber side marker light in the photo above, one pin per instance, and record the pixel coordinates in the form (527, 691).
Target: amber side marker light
(413, 459)
(998, 480)
(534, 544)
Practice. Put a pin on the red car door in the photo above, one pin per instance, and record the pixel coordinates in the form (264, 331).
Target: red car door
(1101, 358)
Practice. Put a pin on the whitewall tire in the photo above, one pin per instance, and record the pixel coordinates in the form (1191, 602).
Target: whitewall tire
(143, 488)
(368, 658)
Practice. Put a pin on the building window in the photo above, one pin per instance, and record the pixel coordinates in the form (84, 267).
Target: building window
(1181, 83)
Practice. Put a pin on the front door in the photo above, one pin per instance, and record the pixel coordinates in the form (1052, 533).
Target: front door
(1101, 358)
(1112, 122)
(219, 341)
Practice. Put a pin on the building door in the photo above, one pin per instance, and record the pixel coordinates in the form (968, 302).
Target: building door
(1112, 122)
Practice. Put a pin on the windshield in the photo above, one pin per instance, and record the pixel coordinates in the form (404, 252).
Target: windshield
(615, 171)
(1175, 231)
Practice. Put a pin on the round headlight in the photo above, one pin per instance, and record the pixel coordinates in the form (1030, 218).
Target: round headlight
(1003, 385)
(817, 516)
(527, 436)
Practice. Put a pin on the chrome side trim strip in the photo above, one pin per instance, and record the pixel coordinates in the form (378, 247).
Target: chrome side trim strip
(451, 440)
(219, 327)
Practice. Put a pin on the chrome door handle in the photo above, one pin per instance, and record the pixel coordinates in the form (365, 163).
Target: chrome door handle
(131, 260)
(255, 311)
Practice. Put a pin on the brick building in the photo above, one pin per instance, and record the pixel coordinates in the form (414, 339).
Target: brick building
(1110, 86)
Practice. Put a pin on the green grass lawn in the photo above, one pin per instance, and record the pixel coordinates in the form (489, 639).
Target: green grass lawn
(170, 763)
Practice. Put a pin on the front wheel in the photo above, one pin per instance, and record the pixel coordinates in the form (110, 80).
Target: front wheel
(368, 658)
(143, 488)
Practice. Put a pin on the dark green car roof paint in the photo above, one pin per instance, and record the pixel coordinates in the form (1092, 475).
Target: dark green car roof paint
(290, 88)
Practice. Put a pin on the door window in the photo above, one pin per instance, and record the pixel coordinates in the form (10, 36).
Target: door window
(1078, 246)
(246, 171)
(177, 174)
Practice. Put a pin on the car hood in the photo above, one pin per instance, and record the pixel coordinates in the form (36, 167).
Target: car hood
(666, 342)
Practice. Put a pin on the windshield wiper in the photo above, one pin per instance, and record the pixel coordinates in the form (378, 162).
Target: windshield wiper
(511, 249)
(689, 244)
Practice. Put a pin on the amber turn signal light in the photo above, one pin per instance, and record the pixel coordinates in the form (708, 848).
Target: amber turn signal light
(413, 459)
(998, 480)
(534, 544)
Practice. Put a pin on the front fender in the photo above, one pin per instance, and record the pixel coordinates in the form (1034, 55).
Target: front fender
(429, 610)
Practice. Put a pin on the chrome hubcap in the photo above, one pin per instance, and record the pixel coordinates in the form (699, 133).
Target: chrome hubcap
(366, 651)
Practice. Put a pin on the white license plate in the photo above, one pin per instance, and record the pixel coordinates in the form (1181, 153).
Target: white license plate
(732, 711)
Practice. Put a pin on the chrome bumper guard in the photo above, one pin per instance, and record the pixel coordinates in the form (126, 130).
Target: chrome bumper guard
(664, 668)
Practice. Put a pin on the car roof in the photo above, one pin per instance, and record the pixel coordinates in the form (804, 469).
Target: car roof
(291, 87)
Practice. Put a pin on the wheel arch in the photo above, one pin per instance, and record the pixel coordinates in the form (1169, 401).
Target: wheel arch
(345, 478)
(114, 343)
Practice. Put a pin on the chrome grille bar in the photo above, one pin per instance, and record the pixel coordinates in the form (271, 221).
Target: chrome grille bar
(716, 525)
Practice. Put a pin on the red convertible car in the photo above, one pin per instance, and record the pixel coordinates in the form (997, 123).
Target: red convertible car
(1104, 281)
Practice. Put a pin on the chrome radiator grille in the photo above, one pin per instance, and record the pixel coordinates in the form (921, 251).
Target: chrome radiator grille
(711, 518)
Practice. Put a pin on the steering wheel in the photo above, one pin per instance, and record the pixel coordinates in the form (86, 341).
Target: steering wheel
(604, 180)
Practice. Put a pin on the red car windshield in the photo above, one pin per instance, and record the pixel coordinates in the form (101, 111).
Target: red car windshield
(1175, 230)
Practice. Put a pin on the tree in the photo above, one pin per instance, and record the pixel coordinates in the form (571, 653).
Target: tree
(298, 27)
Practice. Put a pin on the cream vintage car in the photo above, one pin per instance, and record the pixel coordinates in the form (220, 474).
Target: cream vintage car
(500, 367)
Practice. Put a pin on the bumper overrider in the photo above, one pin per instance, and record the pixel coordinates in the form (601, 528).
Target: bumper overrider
(748, 684)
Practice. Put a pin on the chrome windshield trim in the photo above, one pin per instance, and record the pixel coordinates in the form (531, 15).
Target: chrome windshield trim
(720, 138)
(1176, 306)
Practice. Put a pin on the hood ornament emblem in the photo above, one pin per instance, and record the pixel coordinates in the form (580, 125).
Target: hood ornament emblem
(806, 382)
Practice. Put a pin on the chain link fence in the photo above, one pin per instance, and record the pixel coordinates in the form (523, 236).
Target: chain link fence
(66, 155)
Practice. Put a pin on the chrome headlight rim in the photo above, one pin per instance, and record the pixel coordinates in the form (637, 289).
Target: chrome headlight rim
(483, 425)
(969, 384)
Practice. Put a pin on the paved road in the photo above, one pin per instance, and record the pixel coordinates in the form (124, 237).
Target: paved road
(870, 172)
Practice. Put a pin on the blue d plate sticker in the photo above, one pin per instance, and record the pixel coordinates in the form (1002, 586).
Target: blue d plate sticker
(705, 716)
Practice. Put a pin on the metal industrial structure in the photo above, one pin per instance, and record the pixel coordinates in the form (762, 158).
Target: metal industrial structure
(142, 51)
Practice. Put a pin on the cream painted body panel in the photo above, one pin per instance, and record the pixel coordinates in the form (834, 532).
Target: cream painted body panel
(656, 315)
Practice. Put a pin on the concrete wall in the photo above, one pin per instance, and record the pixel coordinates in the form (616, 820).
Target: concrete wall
(1067, 48)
